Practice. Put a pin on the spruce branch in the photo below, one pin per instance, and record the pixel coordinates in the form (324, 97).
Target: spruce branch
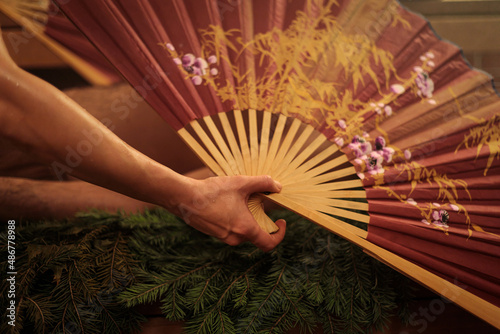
(87, 274)
(74, 303)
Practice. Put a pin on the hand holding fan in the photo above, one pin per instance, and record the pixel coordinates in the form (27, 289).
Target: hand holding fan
(356, 107)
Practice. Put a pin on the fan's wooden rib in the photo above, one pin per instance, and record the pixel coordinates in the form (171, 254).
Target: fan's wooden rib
(327, 206)
(413, 111)
(327, 177)
(361, 194)
(275, 143)
(449, 127)
(231, 139)
(335, 194)
(285, 145)
(254, 140)
(221, 144)
(187, 26)
(464, 298)
(304, 176)
(306, 153)
(192, 41)
(200, 151)
(327, 166)
(247, 31)
(302, 210)
(362, 218)
(264, 142)
(312, 201)
(324, 187)
(313, 162)
(242, 136)
(292, 153)
(257, 210)
(215, 18)
(39, 17)
(205, 139)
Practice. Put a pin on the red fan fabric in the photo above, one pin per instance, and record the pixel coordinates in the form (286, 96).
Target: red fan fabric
(60, 29)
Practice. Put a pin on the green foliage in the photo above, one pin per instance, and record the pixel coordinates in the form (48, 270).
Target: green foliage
(86, 275)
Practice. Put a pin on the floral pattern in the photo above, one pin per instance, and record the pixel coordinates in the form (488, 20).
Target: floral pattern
(439, 218)
(369, 159)
(196, 67)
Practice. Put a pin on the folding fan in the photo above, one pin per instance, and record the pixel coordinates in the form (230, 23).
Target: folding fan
(356, 107)
(43, 20)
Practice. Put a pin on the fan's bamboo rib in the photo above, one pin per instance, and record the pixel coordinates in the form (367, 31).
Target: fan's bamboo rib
(86, 70)
(407, 114)
(246, 16)
(200, 151)
(285, 145)
(264, 142)
(329, 193)
(312, 201)
(292, 153)
(362, 218)
(314, 161)
(254, 140)
(329, 165)
(327, 208)
(334, 175)
(41, 6)
(464, 298)
(450, 127)
(40, 17)
(302, 210)
(337, 174)
(325, 186)
(257, 210)
(228, 130)
(221, 144)
(275, 143)
(205, 139)
(188, 28)
(242, 136)
(306, 153)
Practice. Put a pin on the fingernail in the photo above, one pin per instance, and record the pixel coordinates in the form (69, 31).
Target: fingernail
(278, 185)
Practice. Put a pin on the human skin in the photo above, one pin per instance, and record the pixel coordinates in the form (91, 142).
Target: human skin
(42, 121)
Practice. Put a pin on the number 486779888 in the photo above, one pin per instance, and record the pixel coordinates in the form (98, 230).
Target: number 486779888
(11, 244)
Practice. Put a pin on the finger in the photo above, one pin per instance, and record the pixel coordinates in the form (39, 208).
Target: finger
(266, 241)
(262, 183)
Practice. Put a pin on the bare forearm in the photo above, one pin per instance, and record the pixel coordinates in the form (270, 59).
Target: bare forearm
(62, 134)
(25, 198)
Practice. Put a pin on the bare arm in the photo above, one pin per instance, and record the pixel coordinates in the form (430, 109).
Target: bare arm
(59, 132)
(56, 200)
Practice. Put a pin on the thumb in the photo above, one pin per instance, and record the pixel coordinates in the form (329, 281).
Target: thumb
(261, 184)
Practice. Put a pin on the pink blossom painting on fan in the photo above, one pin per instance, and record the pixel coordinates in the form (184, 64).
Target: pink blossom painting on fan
(377, 129)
